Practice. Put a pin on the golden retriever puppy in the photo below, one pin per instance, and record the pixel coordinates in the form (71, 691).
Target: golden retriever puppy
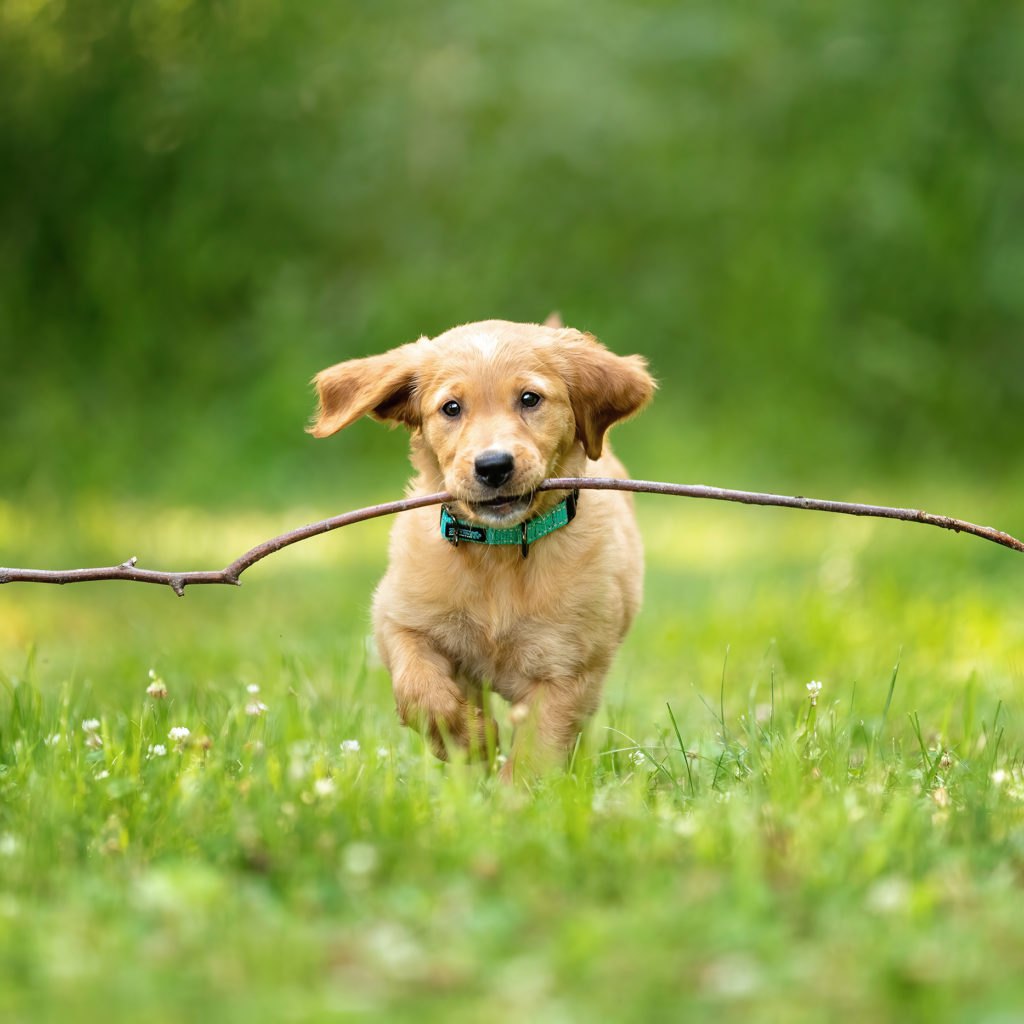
(522, 592)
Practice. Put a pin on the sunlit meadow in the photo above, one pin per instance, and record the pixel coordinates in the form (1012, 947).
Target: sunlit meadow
(802, 799)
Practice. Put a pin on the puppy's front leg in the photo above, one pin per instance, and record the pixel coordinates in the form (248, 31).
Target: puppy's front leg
(430, 700)
(548, 724)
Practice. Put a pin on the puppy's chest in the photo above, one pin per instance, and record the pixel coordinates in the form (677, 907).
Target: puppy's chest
(496, 638)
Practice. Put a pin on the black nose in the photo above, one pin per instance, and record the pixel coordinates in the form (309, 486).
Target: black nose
(494, 468)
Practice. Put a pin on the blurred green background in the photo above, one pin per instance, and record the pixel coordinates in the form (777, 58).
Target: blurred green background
(810, 217)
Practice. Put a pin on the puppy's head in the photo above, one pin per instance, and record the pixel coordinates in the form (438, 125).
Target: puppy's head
(495, 407)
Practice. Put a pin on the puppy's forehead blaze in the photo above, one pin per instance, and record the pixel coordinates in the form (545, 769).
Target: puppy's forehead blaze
(494, 373)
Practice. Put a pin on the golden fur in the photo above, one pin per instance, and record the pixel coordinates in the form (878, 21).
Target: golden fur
(450, 621)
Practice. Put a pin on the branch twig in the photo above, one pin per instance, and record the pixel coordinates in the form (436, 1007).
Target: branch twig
(230, 574)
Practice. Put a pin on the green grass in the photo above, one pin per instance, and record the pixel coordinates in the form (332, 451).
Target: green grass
(721, 847)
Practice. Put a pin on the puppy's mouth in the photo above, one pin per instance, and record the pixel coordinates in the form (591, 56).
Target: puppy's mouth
(504, 510)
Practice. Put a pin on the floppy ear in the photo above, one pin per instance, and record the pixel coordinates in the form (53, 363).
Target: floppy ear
(383, 387)
(603, 387)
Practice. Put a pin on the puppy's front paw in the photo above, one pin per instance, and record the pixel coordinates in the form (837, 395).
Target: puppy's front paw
(456, 727)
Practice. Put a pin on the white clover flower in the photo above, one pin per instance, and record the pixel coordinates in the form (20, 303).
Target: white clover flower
(383, 753)
(638, 757)
(349, 746)
(92, 736)
(813, 689)
(103, 775)
(255, 707)
(157, 688)
(253, 688)
(324, 786)
(179, 734)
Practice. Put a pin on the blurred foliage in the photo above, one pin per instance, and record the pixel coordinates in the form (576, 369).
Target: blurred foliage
(810, 217)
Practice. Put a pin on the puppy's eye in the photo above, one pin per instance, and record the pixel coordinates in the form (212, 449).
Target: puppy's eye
(451, 409)
(529, 399)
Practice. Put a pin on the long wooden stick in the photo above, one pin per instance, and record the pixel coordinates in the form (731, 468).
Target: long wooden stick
(230, 574)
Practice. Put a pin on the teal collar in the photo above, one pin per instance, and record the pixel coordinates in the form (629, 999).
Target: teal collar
(454, 530)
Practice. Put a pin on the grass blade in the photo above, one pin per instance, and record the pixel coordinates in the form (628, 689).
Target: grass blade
(682, 749)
